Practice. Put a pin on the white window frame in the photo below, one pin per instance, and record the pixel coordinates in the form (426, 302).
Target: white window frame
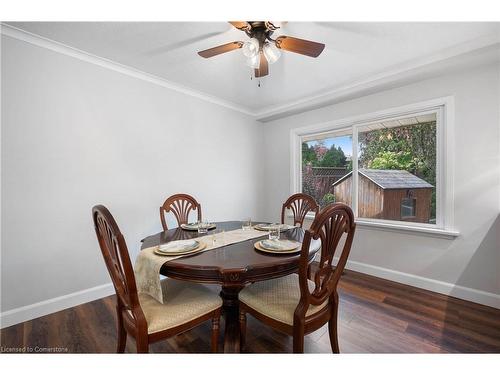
(444, 109)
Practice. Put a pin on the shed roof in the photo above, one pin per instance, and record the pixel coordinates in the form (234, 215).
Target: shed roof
(390, 179)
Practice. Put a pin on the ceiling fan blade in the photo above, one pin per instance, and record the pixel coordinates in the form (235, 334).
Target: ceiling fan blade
(220, 49)
(240, 25)
(302, 46)
(263, 67)
(181, 44)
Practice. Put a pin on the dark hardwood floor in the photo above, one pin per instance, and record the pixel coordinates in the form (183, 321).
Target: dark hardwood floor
(376, 316)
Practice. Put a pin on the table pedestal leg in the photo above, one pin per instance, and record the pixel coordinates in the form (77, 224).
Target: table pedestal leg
(231, 314)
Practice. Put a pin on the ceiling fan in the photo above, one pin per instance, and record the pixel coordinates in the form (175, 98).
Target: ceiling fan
(261, 50)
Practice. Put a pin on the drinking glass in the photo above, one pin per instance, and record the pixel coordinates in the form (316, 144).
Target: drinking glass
(203, 226)
(274, 233)
(246, 224)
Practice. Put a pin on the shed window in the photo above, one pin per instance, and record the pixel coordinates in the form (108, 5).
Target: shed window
(408, 208)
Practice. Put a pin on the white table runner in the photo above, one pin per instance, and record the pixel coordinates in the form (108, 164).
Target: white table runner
(148, 264)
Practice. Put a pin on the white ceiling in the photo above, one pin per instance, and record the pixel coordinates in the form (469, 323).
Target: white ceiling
(353, 52)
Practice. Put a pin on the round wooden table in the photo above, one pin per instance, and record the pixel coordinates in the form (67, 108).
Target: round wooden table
(232, 266)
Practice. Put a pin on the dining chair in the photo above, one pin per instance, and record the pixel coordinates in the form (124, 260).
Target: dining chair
(180, 205)
(300, 204)
(143, 317)
(294, 304)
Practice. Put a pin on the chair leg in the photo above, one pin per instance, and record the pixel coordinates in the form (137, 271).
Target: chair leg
(142, 343)
(243, 328)
(332, 327)
(122, 333)
(298, 340)
(215, 332)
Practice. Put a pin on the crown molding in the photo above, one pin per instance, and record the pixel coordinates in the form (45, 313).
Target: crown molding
(64, 49)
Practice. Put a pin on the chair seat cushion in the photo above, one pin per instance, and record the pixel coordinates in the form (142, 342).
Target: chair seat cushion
(185, 302)
(277, 298)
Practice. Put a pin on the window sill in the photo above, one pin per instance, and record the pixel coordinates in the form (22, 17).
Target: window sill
(396, 227)
(402, 228)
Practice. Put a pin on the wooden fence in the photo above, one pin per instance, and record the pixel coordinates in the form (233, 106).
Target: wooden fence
(318, 181)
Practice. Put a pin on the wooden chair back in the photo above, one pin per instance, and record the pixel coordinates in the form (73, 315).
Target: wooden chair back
(115, 253)
(180, 205)
(331, 225)
(300, 204)
(130, 316)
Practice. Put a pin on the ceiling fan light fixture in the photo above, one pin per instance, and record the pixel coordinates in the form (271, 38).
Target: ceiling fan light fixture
(271, 52)
(251, 48)
(254, 61)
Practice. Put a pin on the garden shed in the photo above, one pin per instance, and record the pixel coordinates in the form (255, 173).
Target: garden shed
(388, 194)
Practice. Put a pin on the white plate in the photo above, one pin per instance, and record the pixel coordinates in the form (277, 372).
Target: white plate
(195, 250)
(178, 246)
(284, 247)
(194, 226)
(268, 227)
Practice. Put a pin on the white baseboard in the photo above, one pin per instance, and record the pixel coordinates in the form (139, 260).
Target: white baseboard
(36, 310)
(449, 289)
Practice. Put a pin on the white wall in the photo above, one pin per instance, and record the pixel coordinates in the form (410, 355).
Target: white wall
(74, 135)
(448, 266)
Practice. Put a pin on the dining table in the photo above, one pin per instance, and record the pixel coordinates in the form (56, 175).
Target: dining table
(231, 266)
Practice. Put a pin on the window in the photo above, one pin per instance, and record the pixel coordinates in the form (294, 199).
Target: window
(388, 166)
(325, 159)
(408, 208)
(397, 157)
